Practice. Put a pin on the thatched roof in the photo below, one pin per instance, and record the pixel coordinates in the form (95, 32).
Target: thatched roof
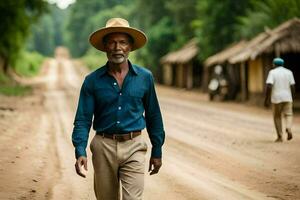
(224, 55)
(248, 48)
(285, 38)
(183, 55)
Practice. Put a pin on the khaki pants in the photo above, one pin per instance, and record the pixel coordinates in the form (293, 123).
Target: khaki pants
(285, 110)
(118, 164)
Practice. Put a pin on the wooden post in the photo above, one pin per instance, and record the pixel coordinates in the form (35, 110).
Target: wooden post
(189, 80)
(167, 74)
(205, 80)
(243, 82)
(179, 81)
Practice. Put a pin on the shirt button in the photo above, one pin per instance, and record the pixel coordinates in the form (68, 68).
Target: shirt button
(118, 122)
(115, 83)
(119, 107)
(120, 93)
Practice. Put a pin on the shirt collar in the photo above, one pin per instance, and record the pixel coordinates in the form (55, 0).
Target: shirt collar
(132, 69)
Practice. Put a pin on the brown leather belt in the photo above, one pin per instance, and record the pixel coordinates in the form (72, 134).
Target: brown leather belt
(120, 137)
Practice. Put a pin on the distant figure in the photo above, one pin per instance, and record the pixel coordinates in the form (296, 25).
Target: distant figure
(119, 100)
(218, 85)
(281, 88)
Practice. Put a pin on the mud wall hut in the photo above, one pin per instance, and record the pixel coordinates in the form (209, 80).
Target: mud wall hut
(181, 68)
(252, 60)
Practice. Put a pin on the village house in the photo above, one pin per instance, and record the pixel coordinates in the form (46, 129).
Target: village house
(181, 68)
(247, 63)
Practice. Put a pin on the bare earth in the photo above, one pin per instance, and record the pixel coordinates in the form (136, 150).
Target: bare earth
(212, 151)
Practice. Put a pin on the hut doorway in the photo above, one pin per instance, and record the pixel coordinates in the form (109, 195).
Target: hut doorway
(197, 74)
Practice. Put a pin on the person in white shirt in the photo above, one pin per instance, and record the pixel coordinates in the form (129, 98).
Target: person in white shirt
(280, 90)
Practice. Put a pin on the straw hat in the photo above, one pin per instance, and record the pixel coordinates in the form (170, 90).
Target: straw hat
(117, 25)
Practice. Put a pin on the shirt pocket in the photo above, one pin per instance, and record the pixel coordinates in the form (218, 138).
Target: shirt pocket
(135, 100)
(137, 92)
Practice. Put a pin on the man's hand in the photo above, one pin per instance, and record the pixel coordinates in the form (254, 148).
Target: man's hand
(81, 161)
(154, 165)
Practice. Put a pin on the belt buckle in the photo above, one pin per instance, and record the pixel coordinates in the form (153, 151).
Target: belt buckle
(118, 137)
(131, 135)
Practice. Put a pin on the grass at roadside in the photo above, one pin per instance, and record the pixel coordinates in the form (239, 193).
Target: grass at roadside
(27, 65)
(9, 87)
(94, 59)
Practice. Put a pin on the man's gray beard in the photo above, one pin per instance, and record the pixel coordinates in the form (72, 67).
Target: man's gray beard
(118, 60)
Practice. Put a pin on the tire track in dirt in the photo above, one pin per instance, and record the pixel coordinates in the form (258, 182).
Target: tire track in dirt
(60, 104)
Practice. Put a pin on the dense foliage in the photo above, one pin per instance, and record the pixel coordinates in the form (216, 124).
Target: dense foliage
(168, 24)
(16, 18)
(48, 33)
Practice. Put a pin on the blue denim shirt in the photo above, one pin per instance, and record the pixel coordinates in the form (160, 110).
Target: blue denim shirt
(118, 110)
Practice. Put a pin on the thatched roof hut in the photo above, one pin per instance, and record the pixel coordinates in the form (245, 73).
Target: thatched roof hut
(283, 39)
(247, 63)
(180, 68)
(183, 55)
(224, 55)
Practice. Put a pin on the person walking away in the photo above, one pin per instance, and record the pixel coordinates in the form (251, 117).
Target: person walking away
(280, 90)
(119, 99)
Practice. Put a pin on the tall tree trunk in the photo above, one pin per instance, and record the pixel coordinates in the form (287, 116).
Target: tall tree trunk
(4, 65)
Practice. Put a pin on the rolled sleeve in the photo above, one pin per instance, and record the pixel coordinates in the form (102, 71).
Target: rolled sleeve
(270, 78)
(292, 80)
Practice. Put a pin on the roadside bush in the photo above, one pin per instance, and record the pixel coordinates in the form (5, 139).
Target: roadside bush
(93, 59)
(9, 87)
(28, 64)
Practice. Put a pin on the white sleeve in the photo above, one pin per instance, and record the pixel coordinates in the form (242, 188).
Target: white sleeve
(270, 79)
(292, 80)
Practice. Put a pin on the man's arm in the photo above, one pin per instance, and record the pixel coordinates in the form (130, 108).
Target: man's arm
(154, 126)
(82, 125)
(268, 95)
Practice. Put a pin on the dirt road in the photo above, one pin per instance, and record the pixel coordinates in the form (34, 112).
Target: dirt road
(213, 150)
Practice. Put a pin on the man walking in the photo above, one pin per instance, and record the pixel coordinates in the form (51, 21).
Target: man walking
(119, 99)
(281, 88)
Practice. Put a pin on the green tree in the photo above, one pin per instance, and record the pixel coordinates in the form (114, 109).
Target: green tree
(215, 25)
(48, 32)
(42, 37)
(154, 19)
(160, 38)
(168, 25)
(16, 17)
(182, 14)
(269, 13)
(79, 23)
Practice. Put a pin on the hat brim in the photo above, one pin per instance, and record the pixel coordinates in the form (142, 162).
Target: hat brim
(96, 38)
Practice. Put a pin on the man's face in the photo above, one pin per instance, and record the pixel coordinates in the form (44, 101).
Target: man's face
(117, 47)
